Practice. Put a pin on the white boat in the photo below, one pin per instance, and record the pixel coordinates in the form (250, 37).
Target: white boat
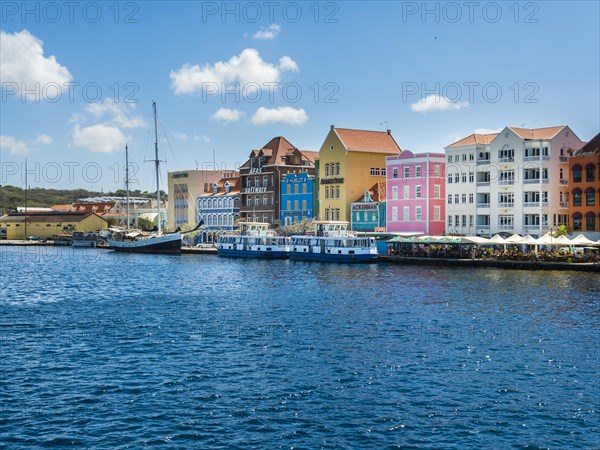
(253, 240)
(138, 242)
(333, 242)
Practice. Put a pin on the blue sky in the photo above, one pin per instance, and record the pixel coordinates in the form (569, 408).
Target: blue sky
(434, 72)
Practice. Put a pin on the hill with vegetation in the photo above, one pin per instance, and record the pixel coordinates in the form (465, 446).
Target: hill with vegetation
(11, 196)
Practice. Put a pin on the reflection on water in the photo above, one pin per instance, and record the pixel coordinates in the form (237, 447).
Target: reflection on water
(101, 349)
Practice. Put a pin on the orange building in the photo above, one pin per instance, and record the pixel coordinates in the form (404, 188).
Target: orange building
(584, 166)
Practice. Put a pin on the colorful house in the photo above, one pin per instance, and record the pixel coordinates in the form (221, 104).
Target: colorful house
(350, 161)
(584, 167)
(46, 224)
(219, 210)
(369, 213)
(296, 198)
(416, 193)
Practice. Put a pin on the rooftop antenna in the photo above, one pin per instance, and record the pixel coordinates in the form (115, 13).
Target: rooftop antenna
(197, 164)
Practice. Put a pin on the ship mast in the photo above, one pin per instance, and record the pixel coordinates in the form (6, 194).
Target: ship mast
(157, 164)
(127, 181)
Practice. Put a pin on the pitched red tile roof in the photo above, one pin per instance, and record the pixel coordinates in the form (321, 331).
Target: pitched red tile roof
(589, 149)
(377, 191)
(475, 139)
(537, 133)
(368, 141)
(310, 155)
(277, 151)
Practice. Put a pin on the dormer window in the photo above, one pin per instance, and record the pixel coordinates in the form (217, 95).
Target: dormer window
(215, 187)
(227, 187)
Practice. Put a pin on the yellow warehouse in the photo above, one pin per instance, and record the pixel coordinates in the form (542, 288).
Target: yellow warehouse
(44, 225)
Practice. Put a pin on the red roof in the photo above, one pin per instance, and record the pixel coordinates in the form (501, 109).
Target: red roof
(368, 141)
(591, 148)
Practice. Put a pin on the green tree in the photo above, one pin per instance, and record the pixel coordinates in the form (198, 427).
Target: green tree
(562, 230)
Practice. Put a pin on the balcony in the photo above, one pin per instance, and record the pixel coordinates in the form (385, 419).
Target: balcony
(563, 205)
(506, 227)
(532, 158)
(483, 183)
(482, 161)
(535, 181)
(483, 205)
(506, 182)
(506, 205)
(483, 227)
(506, 160)
(564, 182)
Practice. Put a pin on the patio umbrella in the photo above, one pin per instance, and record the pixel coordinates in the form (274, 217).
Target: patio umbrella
(527, 240)
(581, 240)
(497, 239)
(564, 240)
(514, 239)
(548, 239)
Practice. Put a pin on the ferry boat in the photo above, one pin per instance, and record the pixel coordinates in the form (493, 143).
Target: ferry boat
(81, 239)
(253, 240)
(333, 242)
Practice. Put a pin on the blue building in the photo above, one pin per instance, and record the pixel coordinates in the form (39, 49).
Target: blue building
(368, 212)
(219, 209)
(297, 200)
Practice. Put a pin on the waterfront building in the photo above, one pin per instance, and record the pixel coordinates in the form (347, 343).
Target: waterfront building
(350, 161)
(296, 198)
(261, 177)
(416, 193)
(44, 225)
(219, 209)
(584, 208)
(185, 186)
(514, 181)
(368, 212)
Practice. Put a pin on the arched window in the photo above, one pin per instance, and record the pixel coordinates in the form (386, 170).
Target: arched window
(590, 221)
(577, 173)
(590, 172)
(220, 203)
(577, 221)
(236, 202)
(590, 197)
(577, 197)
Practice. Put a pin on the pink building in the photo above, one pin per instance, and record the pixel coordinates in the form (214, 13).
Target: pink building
(416, 193)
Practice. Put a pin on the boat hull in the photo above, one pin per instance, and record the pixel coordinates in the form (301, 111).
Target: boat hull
(255, 254)
(330, 257)
(168, 244)
(84, 244)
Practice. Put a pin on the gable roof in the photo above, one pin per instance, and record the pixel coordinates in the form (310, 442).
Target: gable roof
(377, 191)
(475, 139)
(368, 141)
(589, 149)
(277, 151)
(536, 134)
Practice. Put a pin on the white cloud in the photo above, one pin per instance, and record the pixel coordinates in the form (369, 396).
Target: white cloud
(282, 114)
(434, 102)
(287, 64)
(267, 33)
(487, 130)
(121, 113)
(247, 67)
(17, 147)
(22, 61)
(43, 139)
(201, 138)
(98, 138)
(180, 136)
(227, 115)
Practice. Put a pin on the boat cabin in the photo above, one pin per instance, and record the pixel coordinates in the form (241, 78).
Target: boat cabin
(255, 229)
(332, 228)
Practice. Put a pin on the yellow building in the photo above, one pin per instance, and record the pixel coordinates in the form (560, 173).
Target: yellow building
(44, 225)
(351, 162)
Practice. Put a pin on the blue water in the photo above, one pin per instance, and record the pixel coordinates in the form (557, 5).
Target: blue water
(106, 350)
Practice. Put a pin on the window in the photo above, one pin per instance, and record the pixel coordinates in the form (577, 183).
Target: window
(463, 177)
(506, 221)
(337, 168)
(470, 198)
(437, 170)
(449, 199)
(417, 191)
(456, 198)
(337, 213)
(436, 191)
(577, 198)
(506, 155)
(327, 170)
(436, 212)
(265, 181)
(256, 200)
(449, 178)
(406, 192)
(406, 213)
(394, 214)
(590, 198)
(456, 177)
(577, 171)
(304, 208)
(418, 171)
(471, 221)
(464, 220)
(471, 177)
(266, 200)
(590, 223)
(395, 172)
(590, 173)
(304, 188)
(464, 198)
(296, 188)
(337, 192)
(256, 181)
(296, 205)
(464, 157)
(449, 220)
(406, 171)
(471, 157)
(375, 172)
(457, 220)
(265, 218)
(327, 192)
(394, 192)
(418, 213)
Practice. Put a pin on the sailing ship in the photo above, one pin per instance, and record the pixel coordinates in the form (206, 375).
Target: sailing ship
(333, 242)
(253, 240)
(137, 241)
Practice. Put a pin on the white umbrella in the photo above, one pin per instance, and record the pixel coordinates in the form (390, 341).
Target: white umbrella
(582, 240)
(564, 240)
(514, 239)
(497, 239)
(548, 239)
(475, 240)
(527, 240)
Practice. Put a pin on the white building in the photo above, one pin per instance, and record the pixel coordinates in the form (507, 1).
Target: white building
(515, 181)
